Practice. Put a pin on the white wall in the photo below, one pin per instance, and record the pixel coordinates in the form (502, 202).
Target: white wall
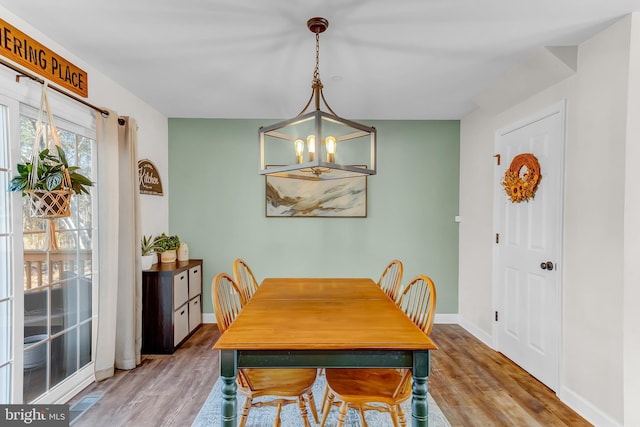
(475, 306)
(631, 329)
(594, 226)
(594, 240)
(152, 125)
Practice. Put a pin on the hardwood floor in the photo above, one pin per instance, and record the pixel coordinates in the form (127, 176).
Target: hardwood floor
(165, 390)
(472, 384)
(476, 386)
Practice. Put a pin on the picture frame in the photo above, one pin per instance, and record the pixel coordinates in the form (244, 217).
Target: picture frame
(333, 198)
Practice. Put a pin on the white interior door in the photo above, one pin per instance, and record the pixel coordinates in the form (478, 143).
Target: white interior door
(528, 249)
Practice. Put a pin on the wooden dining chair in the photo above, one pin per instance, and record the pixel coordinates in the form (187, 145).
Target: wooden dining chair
(252, 383)
(391, 278)
(244, 278)
(418, 301)
(227, 300)
(366, 389)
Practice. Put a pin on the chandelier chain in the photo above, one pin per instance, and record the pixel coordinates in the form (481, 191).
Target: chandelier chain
(316, 84)
(316, 71)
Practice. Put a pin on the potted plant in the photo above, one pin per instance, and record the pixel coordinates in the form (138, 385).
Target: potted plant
(52, 185)
(50, 177)
(148, 252)
(166, 246)
(48, 182)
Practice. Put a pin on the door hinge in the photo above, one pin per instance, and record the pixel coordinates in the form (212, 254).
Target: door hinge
(497, 237)
(497, 156)
(496, 315)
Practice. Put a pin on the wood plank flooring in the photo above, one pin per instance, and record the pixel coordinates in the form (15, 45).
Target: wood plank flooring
(476, 386)
(165, 390)
(472, 384)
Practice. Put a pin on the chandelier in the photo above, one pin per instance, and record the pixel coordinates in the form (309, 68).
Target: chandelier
(317, 145)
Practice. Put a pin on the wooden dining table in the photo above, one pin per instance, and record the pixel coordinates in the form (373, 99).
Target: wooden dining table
(323, 323)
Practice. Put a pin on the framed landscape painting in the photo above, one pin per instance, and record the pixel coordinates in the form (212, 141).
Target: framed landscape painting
(345, 197)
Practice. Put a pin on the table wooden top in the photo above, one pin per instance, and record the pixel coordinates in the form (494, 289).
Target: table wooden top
(328, 314)
(325, 289)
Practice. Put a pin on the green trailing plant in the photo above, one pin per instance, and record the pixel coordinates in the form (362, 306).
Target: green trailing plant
(166, 243)
(50, 174)
(148, 245)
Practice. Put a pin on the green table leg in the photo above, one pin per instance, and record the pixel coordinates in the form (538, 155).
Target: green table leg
(228, 372)
(419, 406)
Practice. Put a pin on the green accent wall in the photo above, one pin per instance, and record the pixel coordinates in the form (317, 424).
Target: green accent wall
(217, 206)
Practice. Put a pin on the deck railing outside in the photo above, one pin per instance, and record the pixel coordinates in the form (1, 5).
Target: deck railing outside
(42, 268)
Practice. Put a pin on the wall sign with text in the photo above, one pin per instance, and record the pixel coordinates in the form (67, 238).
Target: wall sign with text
(149, 178)
(22, 49)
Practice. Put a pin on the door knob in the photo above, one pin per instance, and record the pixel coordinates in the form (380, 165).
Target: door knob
(546, 265)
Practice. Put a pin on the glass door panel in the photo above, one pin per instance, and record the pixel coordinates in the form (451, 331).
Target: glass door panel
(58, 283)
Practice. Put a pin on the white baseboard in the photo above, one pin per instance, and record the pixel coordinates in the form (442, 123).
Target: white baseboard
(586, 409)
(209, 318)
(447, 318)
(476, 332)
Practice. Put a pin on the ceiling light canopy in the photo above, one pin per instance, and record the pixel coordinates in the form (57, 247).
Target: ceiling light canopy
(317, 145)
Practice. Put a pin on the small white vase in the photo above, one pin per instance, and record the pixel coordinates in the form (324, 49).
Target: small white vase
(148, 261)
(183, 252)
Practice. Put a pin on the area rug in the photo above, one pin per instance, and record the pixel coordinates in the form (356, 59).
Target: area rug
(209, 414)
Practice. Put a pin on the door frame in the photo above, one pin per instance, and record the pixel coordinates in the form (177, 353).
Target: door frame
(557, 108)
(16, 322)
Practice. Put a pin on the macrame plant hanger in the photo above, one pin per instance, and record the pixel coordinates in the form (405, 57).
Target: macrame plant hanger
(48, 204)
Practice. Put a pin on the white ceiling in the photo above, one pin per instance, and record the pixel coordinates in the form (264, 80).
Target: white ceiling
(379, 59)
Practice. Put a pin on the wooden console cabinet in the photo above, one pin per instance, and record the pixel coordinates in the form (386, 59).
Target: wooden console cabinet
(171, 305)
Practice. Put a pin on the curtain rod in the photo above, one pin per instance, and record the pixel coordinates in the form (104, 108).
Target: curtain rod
(41, 81)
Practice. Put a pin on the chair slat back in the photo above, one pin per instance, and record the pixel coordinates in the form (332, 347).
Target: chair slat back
(418, 301)
(227, 300)
(391, 278)
(244, 278)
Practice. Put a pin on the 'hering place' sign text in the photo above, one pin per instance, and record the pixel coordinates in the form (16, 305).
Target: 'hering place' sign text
(22, 49)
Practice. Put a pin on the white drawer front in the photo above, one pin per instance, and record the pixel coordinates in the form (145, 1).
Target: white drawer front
(195, 281)
(195, 313)
(180, 324)
(180, 289)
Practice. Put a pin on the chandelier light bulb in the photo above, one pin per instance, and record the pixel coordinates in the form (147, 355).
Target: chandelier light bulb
(331, 146)
(299, 149)
(311, 147)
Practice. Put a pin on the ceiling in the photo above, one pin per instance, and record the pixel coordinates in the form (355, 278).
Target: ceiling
(379, 59)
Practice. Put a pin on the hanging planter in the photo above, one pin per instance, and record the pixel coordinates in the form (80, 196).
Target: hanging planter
(49, 204)
(46, 179)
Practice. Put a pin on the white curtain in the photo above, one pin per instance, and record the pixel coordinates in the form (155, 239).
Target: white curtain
(129, 320)
(120, 293)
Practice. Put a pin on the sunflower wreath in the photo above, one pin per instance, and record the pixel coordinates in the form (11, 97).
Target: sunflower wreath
(522, 185)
